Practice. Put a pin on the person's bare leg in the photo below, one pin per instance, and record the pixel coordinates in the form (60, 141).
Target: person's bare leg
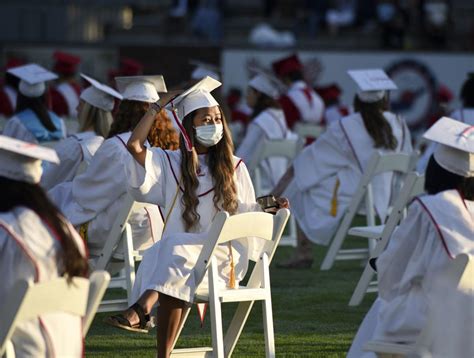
(302, 255)
(146, 301)
(169, 315)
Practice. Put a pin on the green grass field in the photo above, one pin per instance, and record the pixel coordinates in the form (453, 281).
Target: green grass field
(311, 317)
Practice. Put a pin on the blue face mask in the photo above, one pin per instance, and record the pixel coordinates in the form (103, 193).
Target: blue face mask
(209, 135)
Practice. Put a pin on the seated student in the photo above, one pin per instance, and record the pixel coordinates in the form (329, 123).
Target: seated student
(192, 185)
(438, 227)
(33, 122)
(93, 199)
(268, 123)
(325, 175)
(37, 244)
(95, 118)
(466, 113)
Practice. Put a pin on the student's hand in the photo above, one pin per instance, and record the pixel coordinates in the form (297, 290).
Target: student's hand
(167, 97)
(283, 203)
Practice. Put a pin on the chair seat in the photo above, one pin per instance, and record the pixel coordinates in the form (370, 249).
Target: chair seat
(388, 347)
(369, 232)
(235, 295)
(193, 352)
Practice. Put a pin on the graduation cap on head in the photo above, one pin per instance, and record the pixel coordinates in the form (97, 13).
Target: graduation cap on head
(66, 63)
(99, 95)
(32, 79)
(287, 65)
(195, 97)
(455, 151)
(266, 83)
(203, 69)
(141, 88)
(22, 160)
(372, 83)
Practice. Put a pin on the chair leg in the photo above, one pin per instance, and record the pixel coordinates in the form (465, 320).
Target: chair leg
(216, 313)
(267, 311)
(362, 285)
(334, 247)
(129, 262)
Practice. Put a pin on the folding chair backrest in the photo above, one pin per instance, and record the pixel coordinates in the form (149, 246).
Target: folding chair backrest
(98, 282)
(286, 148)
(28, 300)
(308, 130)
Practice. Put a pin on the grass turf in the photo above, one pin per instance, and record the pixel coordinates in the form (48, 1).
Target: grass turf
(311, 317)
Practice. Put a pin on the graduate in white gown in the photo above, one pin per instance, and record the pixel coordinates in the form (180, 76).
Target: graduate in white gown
(76, 151)
(192, 185)
(93, 199)
(324, 176)
(36, 244)
(268, 123)
(33, 122)
(439, 226)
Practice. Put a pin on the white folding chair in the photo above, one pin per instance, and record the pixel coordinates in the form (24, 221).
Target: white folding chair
(28, 300)
(379, 163)
(413, 185)
(119, 256)
(455, 279)
(224, 229)
(285, 148)
(309, 130)
(98, 282)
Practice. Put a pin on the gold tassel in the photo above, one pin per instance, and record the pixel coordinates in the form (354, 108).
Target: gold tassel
(83, 231)
(232, 268)
(333, 211)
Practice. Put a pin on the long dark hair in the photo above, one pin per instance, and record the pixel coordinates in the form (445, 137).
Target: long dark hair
(221, 166)
(467, 92)
(376, 123)
(263, 102)
(38, 106)
(438, 179)
(128, 115)
(32, 196)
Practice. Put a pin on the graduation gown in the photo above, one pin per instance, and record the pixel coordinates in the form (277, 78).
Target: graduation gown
(96, 196)
(270, 124)
(8, 96)
(27, 127)
(436, 230)
(73, 152)
(167, 265)
(302, 104)
(340, 155)
(28, 251)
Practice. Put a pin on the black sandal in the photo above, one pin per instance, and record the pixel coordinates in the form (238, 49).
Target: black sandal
(120, 321)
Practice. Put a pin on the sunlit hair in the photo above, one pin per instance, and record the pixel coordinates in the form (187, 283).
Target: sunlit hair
(128, 115)
(221, 167)
(263, 102)
(162, 134)
(376, 123)
(95, 118)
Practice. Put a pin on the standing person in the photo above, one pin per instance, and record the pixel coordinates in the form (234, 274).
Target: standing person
(33, 122)
(439, 226)
(268, 123)
(192, 185)
(324, 176)
(93, 199)
(466, 113)
(95, 118)
(9, 90)
(65, 94)
(301, 103)
(36, 244)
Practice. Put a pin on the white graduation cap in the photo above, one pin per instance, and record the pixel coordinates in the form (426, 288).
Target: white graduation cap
(204, 69)
(99, 95)
(455, 151)
(195, 97)
(141, 88)
(266, 83)
(32, 79)
(21, 160)
(372, 84)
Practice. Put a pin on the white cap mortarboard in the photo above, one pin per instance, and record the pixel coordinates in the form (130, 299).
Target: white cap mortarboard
(99, 95)
(141, 88)
(372, 84)
(455, 151)
(204, 69)
(22, 160)
(266, 83)
(195, 97)
(32, 79)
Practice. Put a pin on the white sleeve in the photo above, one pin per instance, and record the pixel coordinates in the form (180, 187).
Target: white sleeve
(70, 156)
(148, 184)
(15, 129)
(249, 146)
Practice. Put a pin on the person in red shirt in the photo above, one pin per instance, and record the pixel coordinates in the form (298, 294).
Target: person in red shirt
(334, 109)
